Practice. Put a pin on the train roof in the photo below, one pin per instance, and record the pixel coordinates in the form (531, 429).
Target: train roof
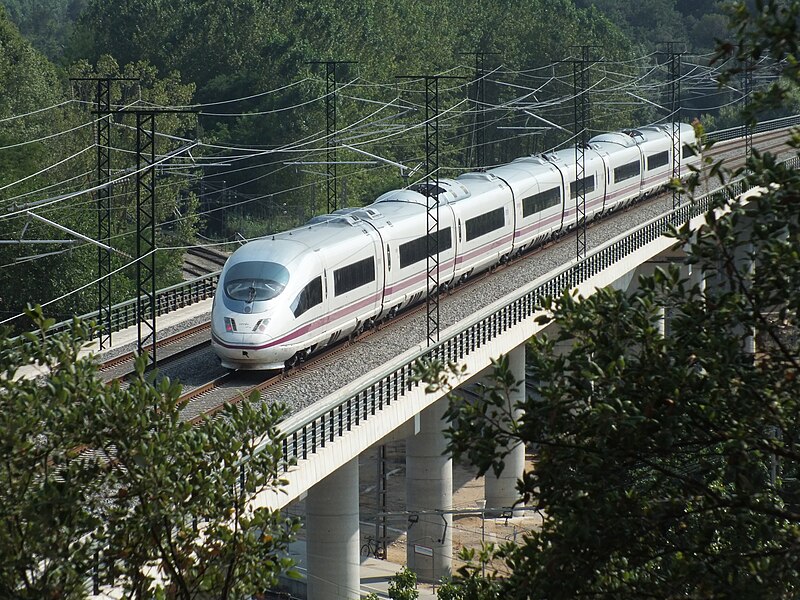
(526, 167)
(448, 190)
(277, 248)
(615, 137)
(565, 158)
(323, 231)
(657, 132)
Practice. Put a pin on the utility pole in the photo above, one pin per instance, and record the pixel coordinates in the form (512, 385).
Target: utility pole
(748, 90)
(146, 226)
(582, 118)
(674, 57)
(381, 489)
(431, 190)
(330, 127)
(478, 157)
(104, 295)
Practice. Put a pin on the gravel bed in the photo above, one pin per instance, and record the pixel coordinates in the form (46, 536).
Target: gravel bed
(194, 370)
(372, 352)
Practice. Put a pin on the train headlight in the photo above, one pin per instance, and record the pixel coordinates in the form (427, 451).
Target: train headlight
(230, 325)
(261, 326)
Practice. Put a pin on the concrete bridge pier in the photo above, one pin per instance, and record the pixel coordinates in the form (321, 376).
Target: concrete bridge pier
(429, 488)
(332, 542)
(501, 492)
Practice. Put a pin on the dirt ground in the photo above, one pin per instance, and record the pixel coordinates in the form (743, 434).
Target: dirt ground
(468, 492)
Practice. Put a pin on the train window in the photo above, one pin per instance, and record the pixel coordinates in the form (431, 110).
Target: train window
(417, 250)
(541, 201)
(353, 276)
(657, 160)
(485, 223)
(388, 258)
(587, 181)
(628, 171)
(255, 280)
(309, 297)
(688, 151)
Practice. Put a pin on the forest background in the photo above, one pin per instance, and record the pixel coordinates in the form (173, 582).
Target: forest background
(247, 68)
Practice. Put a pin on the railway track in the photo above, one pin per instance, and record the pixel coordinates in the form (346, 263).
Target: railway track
(169, 350)
(201, 260)
(213, 388)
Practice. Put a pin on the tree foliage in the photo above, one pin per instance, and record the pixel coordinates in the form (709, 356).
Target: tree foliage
(666, 463)
(47, 24)
(106, 483)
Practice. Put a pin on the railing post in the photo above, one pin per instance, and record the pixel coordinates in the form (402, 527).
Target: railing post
(314, 436)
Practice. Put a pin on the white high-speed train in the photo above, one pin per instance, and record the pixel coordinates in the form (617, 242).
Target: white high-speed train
(284, 296)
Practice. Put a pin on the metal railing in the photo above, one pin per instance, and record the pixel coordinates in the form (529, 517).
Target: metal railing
(761, 127)
(171, 298)
(309, 431)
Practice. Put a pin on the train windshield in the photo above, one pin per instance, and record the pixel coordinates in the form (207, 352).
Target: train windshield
(250, 281)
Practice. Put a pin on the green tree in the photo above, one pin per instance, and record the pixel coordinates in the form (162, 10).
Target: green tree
(111, 482)
(47, 24)
(403, 585)
(667, 464)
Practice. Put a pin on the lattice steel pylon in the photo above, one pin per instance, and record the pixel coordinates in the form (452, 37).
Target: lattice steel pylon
(103, 139)
(331, 186)
(748, 125)
(478, 157)
(674, 58)
(330, 124)
(431, 191)
(104, 294)
(146, 308)
(675, 106)
(581, 108)
(146, 233)
(432, 204)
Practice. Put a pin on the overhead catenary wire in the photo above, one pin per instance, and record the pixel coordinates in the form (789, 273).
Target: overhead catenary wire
(81, 288)
(46, 137)
(47, 168)
(37, 111)
(50, 201)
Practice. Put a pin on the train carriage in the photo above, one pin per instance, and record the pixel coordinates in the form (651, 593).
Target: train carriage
(538, 191)
(484, 223)
(622, 159)
(594, 182)
(405, 247)
(284, 296)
